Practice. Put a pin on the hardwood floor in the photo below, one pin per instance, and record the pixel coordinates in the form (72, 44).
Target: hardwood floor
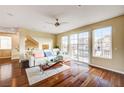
(80, 75)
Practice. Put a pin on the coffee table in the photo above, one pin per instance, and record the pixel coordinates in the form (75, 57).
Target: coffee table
(46, 66)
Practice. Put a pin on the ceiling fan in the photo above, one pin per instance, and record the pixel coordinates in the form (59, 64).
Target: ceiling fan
(57, 23)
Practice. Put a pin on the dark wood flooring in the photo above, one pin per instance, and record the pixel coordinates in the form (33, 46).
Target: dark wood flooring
(80, 75)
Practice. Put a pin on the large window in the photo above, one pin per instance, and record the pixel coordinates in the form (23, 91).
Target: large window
(83, 47)
(64, 44)
(102, 42)
(5, 42)
(74, 45)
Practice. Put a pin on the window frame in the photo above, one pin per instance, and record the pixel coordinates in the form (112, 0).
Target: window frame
(73, 37)
(93, 38)
(66, 42)
(10, 47)
(84, 44)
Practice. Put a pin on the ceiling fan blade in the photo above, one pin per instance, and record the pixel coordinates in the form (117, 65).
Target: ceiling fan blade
(63, 22)
(49, 23)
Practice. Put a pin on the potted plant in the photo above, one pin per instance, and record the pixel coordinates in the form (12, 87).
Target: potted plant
(56, 46)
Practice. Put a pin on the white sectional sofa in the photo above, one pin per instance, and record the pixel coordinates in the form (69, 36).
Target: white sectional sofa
(44, 56)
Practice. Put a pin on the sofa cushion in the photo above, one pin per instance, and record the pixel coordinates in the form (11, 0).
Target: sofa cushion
(38, 51)
(56, 51)
(39, 61)
(48, 53)
(38, 55)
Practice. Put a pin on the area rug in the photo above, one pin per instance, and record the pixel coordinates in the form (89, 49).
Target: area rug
(35, 75)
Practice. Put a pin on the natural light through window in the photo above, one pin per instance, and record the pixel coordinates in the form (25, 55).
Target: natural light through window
(83, 48)
(74, 45)
(102, 42)
(64, 46)
(5, 42)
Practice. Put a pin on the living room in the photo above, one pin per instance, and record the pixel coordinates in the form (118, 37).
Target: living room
(61, 46)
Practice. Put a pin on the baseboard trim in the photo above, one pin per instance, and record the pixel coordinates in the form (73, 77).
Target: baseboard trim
(4, 57)
(116, 71)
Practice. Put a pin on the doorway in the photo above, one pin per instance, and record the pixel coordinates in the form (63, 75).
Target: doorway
(79, 47)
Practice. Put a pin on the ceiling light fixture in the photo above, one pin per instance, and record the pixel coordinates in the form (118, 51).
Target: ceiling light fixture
(79, 5)
(57, 23)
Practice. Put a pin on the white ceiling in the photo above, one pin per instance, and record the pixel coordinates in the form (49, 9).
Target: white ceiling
(37, 17)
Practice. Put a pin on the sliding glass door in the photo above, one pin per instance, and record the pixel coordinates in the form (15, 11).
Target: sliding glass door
(79, 47)
(64, 45)
(74, 46)
(83, 47)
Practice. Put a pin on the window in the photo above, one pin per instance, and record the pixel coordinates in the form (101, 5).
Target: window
(5, 42)
(64, 46)
(73, 46)
(102, 42)
(83, 47)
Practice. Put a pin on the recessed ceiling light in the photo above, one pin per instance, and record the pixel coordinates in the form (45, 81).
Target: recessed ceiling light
(10, 14)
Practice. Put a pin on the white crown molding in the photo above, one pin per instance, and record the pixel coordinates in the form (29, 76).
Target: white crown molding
(8, 29)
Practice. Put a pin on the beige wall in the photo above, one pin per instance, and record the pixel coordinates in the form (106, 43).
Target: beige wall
(117, 61)
(15, 44)
(38, 36)
(30, 44)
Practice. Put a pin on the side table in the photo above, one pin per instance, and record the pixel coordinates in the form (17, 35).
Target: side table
(25, 63)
